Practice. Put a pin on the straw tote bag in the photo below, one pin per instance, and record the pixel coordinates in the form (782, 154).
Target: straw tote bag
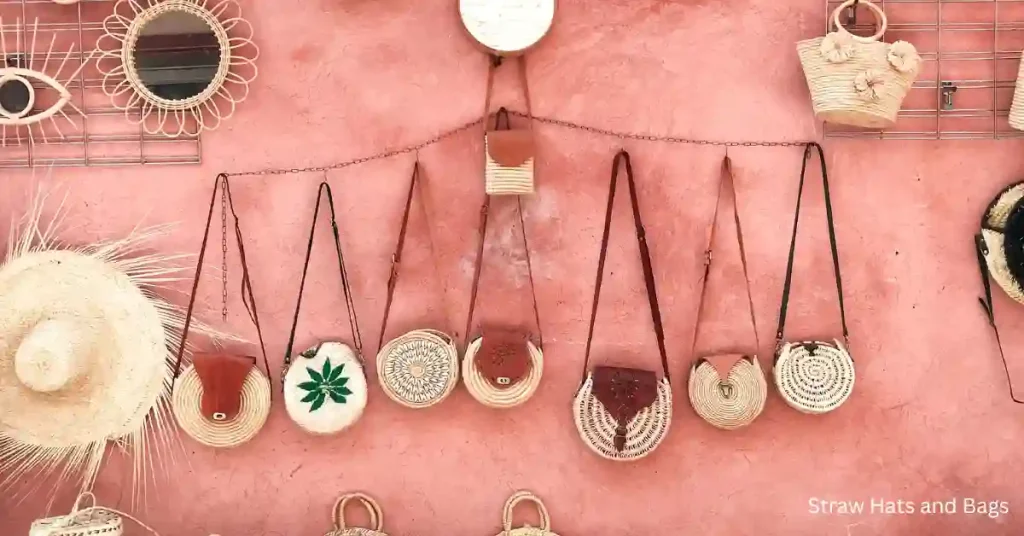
(420, 368)
(84, 520)
(526, 530)
(858, 81)
(325, 389)
(341, 528)
(623, 414)
(502, 366)
(727, 390)
(222, 400)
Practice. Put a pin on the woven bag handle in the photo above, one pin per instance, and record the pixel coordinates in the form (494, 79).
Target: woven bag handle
(345, 283)
(521, 496)
(248, 297)
(478, 268)
(883, 21)
(371, 506)
(78, 501)
(645, 260)
(726, 180)
(787, 286)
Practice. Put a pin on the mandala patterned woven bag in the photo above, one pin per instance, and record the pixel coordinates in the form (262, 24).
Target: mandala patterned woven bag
(623, 414)
(858, 81)
(372, 508)
(727, 390)
(420, 368)
(526, 530)
(502, 367)
(813, 376)
(222, 400)
(84, 520)
(325, 389)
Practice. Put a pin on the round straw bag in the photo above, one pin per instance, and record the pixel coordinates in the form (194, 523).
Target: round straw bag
(525, 530)
(376, 517)
(729, 403)
(419, 369)
(858, 81)
(84, 520)
(1001, 238)
(814, 377)
(483, 389)
(252, 414)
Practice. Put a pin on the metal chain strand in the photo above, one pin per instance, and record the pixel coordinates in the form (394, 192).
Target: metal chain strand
(224, 249)
(547, 120)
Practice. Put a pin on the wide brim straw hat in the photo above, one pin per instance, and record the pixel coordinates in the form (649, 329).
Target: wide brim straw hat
(1002, 236)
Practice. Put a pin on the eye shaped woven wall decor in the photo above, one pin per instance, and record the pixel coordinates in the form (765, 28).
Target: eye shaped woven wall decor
(178, 67)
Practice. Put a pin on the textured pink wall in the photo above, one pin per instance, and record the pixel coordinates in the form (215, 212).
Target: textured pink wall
(930, 420)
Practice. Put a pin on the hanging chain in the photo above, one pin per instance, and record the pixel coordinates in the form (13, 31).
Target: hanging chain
(224, 249)
(557, 122)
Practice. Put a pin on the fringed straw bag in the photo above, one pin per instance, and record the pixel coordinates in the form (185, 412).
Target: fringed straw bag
(526, 530)
(222, 400)
(727, 390)
(372, 508)
(813, 377)
(502, 367)
(420, 368)
(84, 520)
(858, 81)
(325, 388)
(623, 414)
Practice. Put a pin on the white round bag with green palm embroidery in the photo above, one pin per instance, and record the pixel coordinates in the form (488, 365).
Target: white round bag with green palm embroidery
(325, 388)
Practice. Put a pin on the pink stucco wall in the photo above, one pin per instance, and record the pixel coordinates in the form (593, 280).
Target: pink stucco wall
(930, 419)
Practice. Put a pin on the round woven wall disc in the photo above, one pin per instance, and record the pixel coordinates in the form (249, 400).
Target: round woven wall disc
(643, 433)
(507, 27)
(325, 388)
(418, 369)
(814, 377)
(252, 415)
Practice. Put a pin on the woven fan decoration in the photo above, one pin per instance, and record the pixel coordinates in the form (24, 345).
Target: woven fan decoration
(526, 530)
(372, 508)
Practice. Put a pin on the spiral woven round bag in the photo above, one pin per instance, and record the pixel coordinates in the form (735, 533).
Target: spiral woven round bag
(230, 432)
(814, 377)
(858, 81)
(526, 530)
(483, 390)
(376, 517)
(731, 402)
(419, 369)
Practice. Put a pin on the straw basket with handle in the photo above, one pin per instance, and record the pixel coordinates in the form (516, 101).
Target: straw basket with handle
(372, 508)
(84, 520)
(526, 530)
(858, 81)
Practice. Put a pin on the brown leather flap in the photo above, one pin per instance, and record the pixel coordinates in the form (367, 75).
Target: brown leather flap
(624, 392)
(724, 363)
(222, 377)
(503, 358)
(510, 148)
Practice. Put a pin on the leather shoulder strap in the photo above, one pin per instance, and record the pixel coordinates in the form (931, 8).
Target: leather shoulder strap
(325, 188)
(727, 181)
(987, 305)
(622, 158)
(787, 286)
(248, 298)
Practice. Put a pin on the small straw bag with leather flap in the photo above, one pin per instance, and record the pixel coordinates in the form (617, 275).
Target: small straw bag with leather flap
(325, 387)
(813, 377)
(502, 366)
(341, 528)
(510, 153)
(623, 414)
(858, 81)
(222, 399)
(419, 368)
(727, 390)
(526, 530)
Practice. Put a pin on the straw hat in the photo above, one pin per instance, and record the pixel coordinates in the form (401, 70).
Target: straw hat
(82, 351)
(1002, 235)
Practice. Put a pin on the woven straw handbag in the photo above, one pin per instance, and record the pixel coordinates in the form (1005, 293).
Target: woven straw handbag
(1000, 249)
(727, 390)
(509, 152)
(623, 414)
(222, 399)
(341, 528)
(502, 366)
(813, 377)
(526, 530)
(325, 389)
(84, 520)
(420, 368)
(858, 81)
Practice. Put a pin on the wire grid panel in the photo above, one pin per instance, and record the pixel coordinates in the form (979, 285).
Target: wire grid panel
(89, 131)
(970, 50)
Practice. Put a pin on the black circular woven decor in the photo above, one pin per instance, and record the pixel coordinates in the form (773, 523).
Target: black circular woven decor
(1013, 245)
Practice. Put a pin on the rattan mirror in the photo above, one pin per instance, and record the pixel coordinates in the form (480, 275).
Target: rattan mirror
(177, 67)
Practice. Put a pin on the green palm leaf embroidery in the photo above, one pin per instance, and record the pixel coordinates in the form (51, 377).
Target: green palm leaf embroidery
(323, 384)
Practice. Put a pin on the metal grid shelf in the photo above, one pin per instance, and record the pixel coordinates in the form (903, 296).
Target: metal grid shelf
(92, 132)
